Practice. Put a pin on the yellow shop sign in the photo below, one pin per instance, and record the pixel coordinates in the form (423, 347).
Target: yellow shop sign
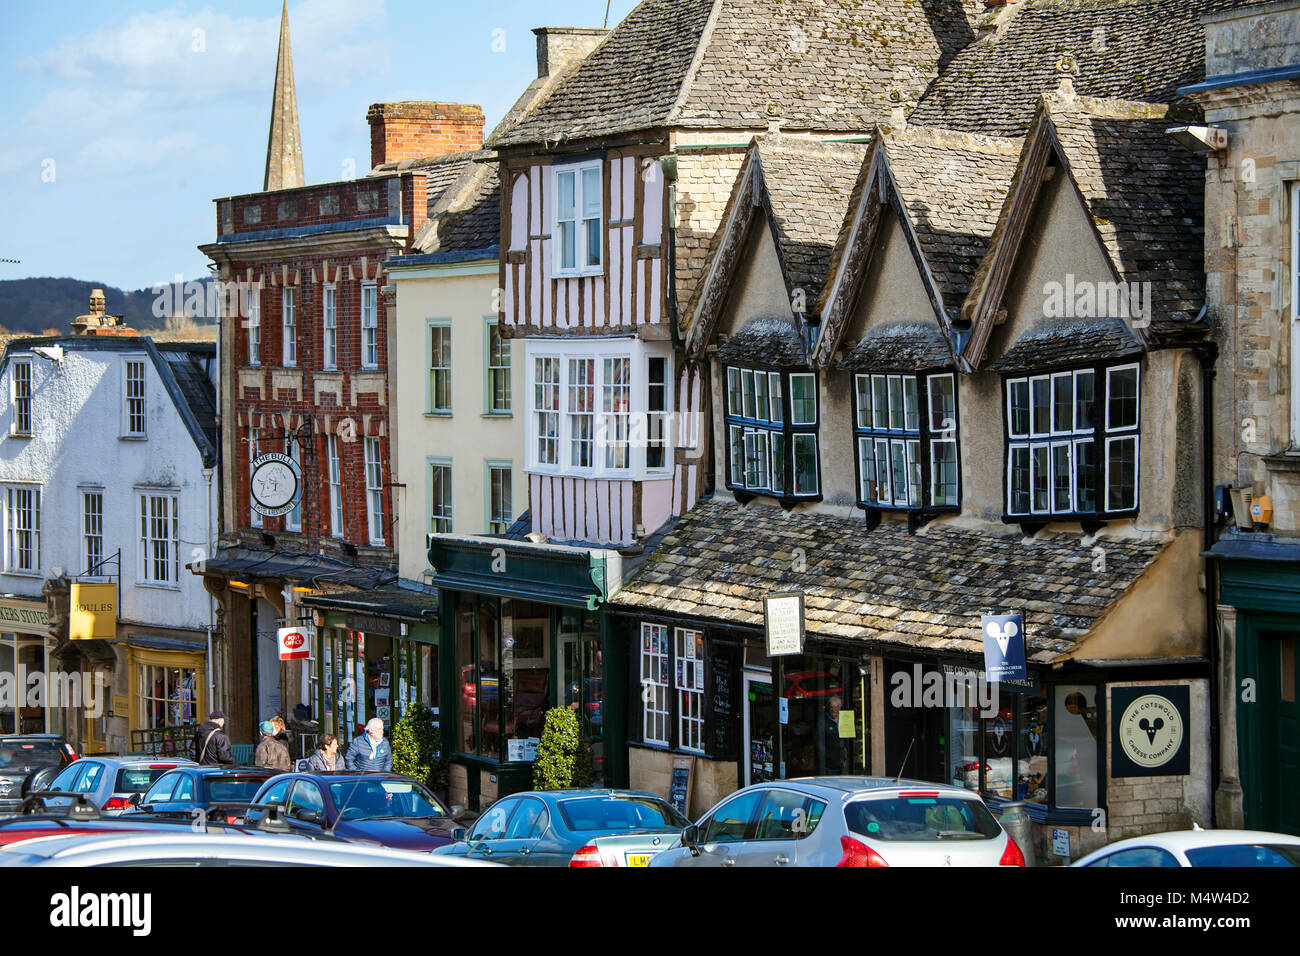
(94, 611)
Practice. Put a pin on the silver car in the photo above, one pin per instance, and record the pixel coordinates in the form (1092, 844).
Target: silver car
(1216, 848)
(846, 821)
(108, 782)
(186, 848)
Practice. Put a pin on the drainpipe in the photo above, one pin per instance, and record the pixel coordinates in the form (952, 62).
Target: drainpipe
(212, 691)
(1207, 354)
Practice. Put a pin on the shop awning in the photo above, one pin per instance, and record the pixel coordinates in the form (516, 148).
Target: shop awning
(315, 569)
(925, 591)
(94, 651)
(1255, 547)
(549, 573)
(404, 602)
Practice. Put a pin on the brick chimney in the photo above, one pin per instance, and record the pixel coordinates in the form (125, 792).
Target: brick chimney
(97, 322)
(557, 46)
(416, 129)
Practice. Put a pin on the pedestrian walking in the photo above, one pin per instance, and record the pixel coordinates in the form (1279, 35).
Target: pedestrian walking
(211, 745)
(326, 755)
(271, 753)
(370, 751)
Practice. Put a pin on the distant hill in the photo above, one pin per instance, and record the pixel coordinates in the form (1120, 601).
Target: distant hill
(31, 306)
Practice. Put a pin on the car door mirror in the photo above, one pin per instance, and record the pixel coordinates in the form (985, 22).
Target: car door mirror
(310, 816)
(134, 799)
(459, 834)
(456, 811)
(691, 839)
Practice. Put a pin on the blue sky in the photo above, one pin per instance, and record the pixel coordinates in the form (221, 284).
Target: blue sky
(122, 121)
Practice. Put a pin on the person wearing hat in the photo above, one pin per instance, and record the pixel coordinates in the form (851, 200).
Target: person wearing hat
(211, 745)
(271, 753)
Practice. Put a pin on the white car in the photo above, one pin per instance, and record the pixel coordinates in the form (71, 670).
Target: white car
(1200, 848)
(209, 849)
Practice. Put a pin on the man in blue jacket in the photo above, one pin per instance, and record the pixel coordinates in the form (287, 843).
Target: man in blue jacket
(370, 751)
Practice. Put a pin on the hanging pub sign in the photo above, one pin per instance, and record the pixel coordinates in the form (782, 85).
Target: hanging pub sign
(1149, 730)
(276, 484)
(294, 643)
(1004, 648)
(783, 618)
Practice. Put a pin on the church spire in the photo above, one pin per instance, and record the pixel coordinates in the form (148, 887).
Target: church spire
(284, 144)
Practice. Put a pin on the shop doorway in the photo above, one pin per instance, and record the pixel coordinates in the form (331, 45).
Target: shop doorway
(760, 729)
(915, 745)
(1280, 732)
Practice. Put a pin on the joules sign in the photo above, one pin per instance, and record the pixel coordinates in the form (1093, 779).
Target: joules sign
(93, 611)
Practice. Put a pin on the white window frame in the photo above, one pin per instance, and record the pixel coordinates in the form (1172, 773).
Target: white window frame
(329, 327)
(690, 689)
(579, 220)
(255, 324)
(92, 530)
(128, 382)
(492, 325)
(638, 354)
(505, 516)
(289, 327)
(654, 648)
(254, 449)
(442, 515)
(293, 519)
(442, 326)
(20, 400)
(374, 491)
(149, 538)
(335, 466)
(16, 524)
(1110, 372)
(1134, 437)
(369, 324)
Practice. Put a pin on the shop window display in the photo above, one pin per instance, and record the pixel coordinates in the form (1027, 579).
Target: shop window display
(824, 733)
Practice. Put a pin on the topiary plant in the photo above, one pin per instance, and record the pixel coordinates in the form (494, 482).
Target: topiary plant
(417, 748)
(563, 756)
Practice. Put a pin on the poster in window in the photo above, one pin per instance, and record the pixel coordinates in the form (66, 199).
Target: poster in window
(699, 647)
(681, 674)
(699, 675)
(663, 671)
(645, 641)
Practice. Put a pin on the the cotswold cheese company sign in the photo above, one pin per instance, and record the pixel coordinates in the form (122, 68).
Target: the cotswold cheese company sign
(1149, 730)
(276, 483)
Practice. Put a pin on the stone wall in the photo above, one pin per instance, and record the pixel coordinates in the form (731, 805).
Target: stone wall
(652, 770)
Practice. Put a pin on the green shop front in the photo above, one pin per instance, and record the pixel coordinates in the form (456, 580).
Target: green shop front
(1259, 631)
(524, 630)
(373, 654)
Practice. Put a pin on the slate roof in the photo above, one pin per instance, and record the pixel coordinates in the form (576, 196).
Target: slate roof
(808, 185)
(189, 363)
(773, 342)
(468, 216)
(1126, 49)
(741, 64)
(405, 600)
(1058, 344)
(440, 171)
(900, 347)
(926, 591)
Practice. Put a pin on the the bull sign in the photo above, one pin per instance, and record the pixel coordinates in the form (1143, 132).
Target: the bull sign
(293, 643)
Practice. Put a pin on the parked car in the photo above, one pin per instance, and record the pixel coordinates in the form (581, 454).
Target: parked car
(107, 782)
(1200, 848)
(846, 821)
(388, 809)
(571, 828)
(22, 756)
(181, 847)
(187, 791)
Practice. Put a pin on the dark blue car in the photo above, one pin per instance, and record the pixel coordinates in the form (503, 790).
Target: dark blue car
(188, 791)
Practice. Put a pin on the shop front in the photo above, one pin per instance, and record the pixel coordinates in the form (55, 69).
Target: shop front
(524, 631)
(25, 646)
(372, 654)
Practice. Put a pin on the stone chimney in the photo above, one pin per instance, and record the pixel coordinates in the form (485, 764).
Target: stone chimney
(557, 46)
(97, 323)
(416, 129)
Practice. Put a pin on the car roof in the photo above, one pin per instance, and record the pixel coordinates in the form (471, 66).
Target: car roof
(1192, 839)
(860, 784)
(5, 738)
(133, 762)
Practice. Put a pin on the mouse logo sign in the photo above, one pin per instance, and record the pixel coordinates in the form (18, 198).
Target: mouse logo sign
(293, 643)
(1150, 730)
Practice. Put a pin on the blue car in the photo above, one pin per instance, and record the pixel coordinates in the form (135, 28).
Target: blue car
(571, 828)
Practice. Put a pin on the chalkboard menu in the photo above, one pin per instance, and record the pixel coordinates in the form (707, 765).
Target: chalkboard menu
(679, 790)
(722, 702)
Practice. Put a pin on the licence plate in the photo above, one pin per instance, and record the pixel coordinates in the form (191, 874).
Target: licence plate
(639, 859)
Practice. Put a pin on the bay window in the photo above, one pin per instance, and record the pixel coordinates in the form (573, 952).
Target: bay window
(598, 414)
(771, 428)
(1072, 444)
(906, 440)
(576, 232)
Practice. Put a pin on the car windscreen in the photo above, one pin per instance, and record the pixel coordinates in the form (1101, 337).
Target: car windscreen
(1245, 854)
(379, 799)
(589, 814)
(138, 779)
(25, 756)
(928, 817)
(236, 788)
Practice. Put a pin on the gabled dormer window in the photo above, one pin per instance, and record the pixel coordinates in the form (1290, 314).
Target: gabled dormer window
(1072, 442)
(576, 227)
(906, 433)
(771, 425)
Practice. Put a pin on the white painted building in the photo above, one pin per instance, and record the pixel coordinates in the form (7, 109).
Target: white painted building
(107, 474)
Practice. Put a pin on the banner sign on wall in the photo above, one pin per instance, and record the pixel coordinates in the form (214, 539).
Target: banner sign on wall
(1004, 648)
(1149, 730)
(294, 643)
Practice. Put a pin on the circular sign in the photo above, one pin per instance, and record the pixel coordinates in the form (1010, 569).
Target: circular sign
(275, 484)
(294, 640)
(1150, 730)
